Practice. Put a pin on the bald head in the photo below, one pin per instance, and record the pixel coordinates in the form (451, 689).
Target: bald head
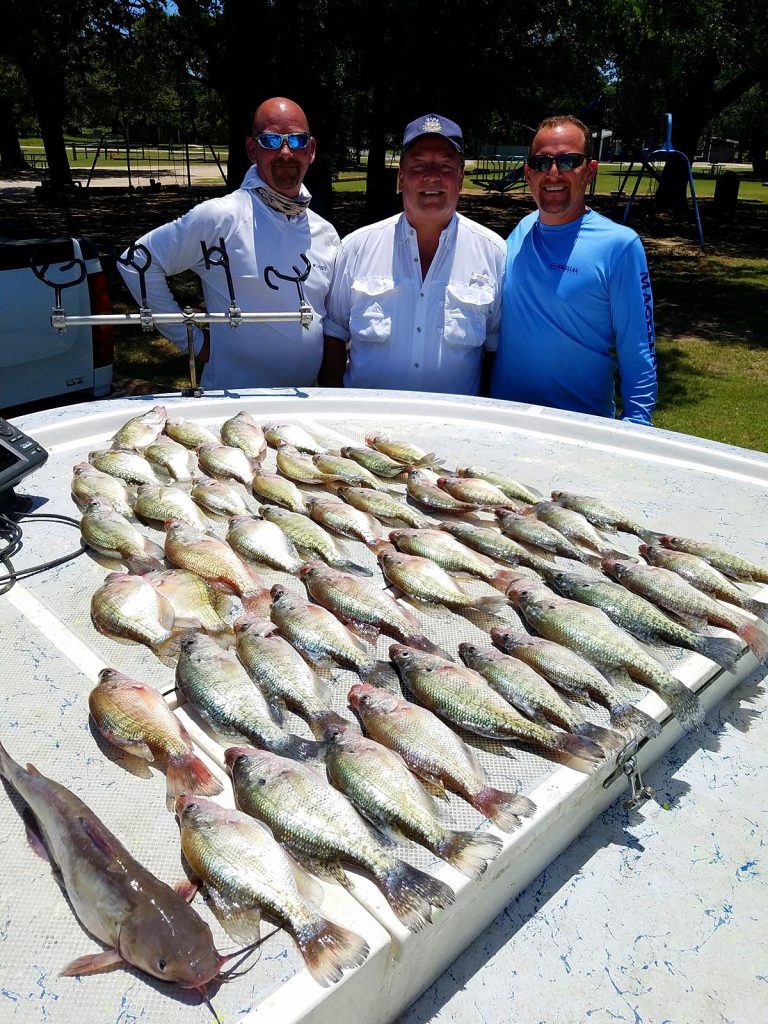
(282, 169)
(279, 108)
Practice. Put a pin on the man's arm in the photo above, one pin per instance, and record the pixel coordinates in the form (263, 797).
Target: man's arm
(632, 315)
(331, 372)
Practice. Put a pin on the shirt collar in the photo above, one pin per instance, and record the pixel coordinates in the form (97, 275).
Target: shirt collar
(252, 181)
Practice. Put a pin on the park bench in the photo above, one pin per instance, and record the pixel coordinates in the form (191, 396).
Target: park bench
(500, 176)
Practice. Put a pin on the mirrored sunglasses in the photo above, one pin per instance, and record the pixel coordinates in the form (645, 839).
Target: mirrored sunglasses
(564, 161)
(272, 140)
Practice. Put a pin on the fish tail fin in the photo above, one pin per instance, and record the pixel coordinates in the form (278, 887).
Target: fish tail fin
(504, 809)
(186, 773)
(502, 579)
(492, 605)
(381, 674)
(346, 565)
(756, 638)
(470, 852)
(412, 893)
(258, 603)
(422, 643)
(650, 537)
(630, 721)
(320, 720)
(428, 461)
(580, 746)
(721, 649)
(300, 749)
(329, 949)
(168, 651)
(609, 739)
(758, 608)
(683, 703)
(140, 565)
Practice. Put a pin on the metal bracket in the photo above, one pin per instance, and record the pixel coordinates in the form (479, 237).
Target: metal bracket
(304, 307)
(626, 764)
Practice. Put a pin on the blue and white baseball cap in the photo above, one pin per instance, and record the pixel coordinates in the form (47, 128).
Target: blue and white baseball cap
(434, 124)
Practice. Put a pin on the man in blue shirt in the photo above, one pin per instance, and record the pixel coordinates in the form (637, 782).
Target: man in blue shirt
(577, 306)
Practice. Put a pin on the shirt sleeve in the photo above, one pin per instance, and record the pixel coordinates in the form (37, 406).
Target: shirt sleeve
(632, 315)
(174, 248)
(493, 327)
(338, 304)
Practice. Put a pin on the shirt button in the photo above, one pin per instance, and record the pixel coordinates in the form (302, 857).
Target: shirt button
(418, 330)
(416, 365)
(415, 259)
(421, 295)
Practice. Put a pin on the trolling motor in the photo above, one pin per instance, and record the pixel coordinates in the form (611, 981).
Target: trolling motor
(139, 258)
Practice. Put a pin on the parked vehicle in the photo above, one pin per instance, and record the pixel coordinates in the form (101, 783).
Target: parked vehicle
(39, 366)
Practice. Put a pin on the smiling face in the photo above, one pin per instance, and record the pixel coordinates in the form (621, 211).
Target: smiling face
(431, 175)
(282, 169)
(558, 194)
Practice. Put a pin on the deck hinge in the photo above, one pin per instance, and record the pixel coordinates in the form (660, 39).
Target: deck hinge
(626, 764)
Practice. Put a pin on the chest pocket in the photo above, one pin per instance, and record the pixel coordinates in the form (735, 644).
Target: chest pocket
(370, 317)
(466, 314)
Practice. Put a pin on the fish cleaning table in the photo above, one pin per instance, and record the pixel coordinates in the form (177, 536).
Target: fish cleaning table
(52, 656)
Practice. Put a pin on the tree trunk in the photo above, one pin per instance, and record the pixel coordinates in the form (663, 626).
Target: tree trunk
(49, 99)
(11, 156)
(758, 144)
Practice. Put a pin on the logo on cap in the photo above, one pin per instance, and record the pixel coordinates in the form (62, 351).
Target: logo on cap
(431, 124)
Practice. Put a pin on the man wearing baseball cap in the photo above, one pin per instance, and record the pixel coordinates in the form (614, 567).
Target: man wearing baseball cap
(415, 300)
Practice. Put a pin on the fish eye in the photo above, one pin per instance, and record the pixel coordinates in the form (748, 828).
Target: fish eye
(161, 965)
(262, 782)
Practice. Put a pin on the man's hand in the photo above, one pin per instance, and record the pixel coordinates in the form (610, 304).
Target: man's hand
(331, 372)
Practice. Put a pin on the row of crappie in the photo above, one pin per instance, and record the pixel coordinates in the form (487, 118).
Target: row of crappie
(333, 800)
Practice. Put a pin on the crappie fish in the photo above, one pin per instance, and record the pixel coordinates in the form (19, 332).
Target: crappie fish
(242, 431)
(173, 458)
(423, 488)
(322, 829)
(381, 787)
(383, 506)
(319, 635)
(258, 540)
(573, 526)
(213, 559)
(348, 471)
(474, 492)
(223, 694)
(298, 466)
(188, 433)
(513, 490)
(219, 499)
(223, 462)
(243, 870)
(450, 554)
(157, 503)
(489, 541)
(362, 605)
(532, 530)
(463, 698)
(141, 919)
(732, 565)
(671, 591)
(375, 462)
(423, 580)
(107, 532)
(335, 515)
(194, 602)
(294, 435)
(310, 538)
(281, 673)
(401, 451)
(89, 483)
(575, 676)
(278, 491)
(141, 431)
(124, 464)
(128, 609)
(590, 632)
(136, 718)
(531, 694)
(435, 753)
(640, 617)
(700, 574)
(598, 512)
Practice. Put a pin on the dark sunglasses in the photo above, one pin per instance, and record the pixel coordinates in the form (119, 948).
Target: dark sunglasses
(271, 140)
(564, 161)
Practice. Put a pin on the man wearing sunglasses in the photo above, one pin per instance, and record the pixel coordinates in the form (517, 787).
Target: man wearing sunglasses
(266, 222)
(417, 297)
(577, 306)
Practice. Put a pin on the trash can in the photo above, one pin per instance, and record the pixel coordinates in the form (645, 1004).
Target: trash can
(727, 192)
